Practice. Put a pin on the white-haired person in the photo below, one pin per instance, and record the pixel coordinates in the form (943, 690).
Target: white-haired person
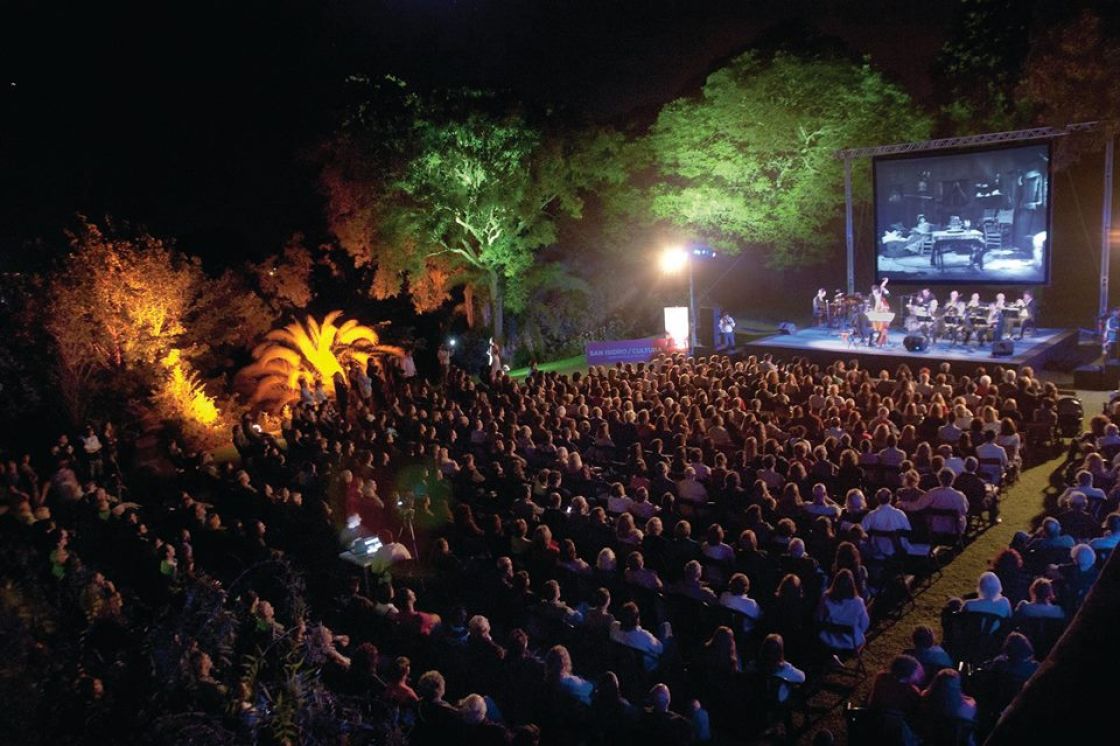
(476, 726)
(989, 597)
(1077, 577)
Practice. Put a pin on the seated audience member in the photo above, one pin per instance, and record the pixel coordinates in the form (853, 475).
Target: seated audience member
(627, 630)
(897, 688)
(559, 676)
(1076, 578)
(1048, 536)
(822, 504)
(772, 662)
(976, 490)
(421, 622)
(842, 605)
(990, 451)
(946, 497)
(598, 618)
(552, 607)
(391, 551)
(944, 700)
(720, 656)
(735, 598)
(1003, 676)
(885, 517)
(397, 689)
(1008, 567)
(1111, 537)
(660, 725)
(436, 720)
(477, 729)
(989, 597)
(1083, 483)
(1076, 521)
(611, 713)
(690, 586)
(927, 652)
(638, 574)
(1041, 604)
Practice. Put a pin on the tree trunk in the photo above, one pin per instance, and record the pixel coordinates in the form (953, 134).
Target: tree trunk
(497, 304)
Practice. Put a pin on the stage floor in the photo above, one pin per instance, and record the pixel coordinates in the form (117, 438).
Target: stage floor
(825, 345)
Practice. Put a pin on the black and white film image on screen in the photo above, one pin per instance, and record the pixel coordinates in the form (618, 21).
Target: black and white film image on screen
(976, 217)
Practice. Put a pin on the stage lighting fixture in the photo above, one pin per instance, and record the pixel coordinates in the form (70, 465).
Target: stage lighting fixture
(673, 260)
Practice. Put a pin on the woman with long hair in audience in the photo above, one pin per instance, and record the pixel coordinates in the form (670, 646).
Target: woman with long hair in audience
(771, 662)
(945, 701)
(559, 676)
(842, 605)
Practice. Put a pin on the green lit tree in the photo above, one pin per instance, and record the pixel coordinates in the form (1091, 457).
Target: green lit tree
(457, 190)
(750, 160)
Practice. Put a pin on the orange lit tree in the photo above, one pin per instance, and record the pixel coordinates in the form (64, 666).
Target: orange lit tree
(119, 311)
(315, 350)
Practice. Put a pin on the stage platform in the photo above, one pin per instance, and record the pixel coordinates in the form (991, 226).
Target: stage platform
(822, 345)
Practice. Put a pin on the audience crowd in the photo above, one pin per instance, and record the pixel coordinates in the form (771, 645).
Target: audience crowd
(638, 552)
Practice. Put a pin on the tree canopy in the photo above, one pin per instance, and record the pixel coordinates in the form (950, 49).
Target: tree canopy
(750, 160)
(461, 190)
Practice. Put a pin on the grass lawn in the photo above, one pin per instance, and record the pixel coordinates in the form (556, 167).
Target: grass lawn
(565, 365)
(1020, 509)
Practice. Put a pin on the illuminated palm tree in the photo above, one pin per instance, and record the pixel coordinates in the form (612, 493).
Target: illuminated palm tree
(315, 351)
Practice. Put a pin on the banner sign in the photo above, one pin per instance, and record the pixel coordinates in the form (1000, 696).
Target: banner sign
(624, 350)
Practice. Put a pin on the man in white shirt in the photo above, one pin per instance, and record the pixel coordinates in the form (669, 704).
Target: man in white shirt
(408, 365)
(627, 630)
(953, 462)
(390, 552)
(989, 450)
(949, 433)
(892, 455)
(944, 497)
(1111, 437)
(821, 504)
(1085, 487)
(885, 517)
(690, 489)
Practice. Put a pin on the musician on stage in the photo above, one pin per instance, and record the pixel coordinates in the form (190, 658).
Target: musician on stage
(923, 298)
(995, 317)
(879, 302)
(973, 310)
(1112, 335)
(820, 307)
(955, 304)
(952, 320)
(1027, 310)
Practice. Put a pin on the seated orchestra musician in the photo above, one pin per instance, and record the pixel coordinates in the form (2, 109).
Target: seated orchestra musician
(956, 321)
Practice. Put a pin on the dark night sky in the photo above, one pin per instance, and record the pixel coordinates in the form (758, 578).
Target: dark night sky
(194, 118)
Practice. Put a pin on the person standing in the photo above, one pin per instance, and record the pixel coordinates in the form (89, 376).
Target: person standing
(495, 359)
(408, 365)
(820, 307)
(726, 331)
(444, 357)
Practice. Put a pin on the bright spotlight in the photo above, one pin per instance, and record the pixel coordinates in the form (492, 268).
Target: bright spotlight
(452, 341)
(673, 260)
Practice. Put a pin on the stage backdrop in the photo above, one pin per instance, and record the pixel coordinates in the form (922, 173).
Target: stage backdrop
(964, 217)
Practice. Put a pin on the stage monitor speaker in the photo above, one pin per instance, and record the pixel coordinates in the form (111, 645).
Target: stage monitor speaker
(787, 327)
(916, 343)
(1003, 348)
